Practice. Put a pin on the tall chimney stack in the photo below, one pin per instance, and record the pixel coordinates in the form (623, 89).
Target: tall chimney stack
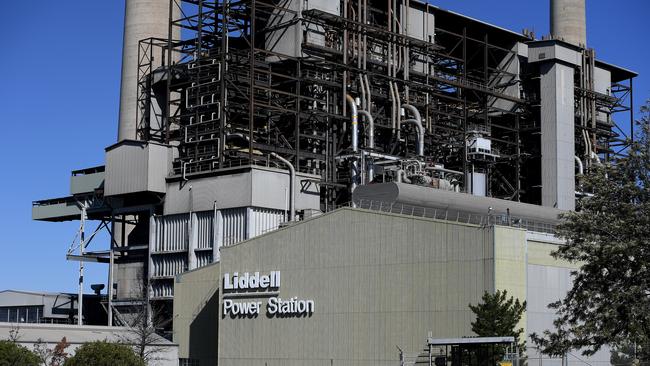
(569, 21)
(143, 19)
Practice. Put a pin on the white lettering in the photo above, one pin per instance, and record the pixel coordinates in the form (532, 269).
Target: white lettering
(291, 307)
(251, 308)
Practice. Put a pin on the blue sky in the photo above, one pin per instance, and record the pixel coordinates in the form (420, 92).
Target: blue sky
(59, 94)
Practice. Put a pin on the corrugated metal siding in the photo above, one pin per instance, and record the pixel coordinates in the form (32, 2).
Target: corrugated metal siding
(265, 220)
(126, 169)
(162, 289)
(167, 265)
(234, 225)
(203, 259)
(172, 233)
(205, 223)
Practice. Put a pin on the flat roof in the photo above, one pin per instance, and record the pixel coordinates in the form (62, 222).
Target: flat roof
(472, 340)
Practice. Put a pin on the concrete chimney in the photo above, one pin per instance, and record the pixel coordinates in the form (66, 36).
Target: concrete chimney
(569, 21)
(143, 19)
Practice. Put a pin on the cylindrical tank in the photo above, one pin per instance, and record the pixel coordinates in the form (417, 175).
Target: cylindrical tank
(143, 19)
(569, 21)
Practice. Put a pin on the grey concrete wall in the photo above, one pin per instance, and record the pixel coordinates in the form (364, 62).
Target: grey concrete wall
(377, 280)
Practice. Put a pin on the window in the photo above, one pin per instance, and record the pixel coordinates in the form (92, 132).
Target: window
(188, 362)
(21, 314)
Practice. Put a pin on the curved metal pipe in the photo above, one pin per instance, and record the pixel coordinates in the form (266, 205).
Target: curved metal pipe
(581, 169)
(292, 182)
(414, 111)
(418, 124)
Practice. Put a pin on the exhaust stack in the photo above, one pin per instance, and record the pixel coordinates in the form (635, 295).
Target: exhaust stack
(142, 19)
(569, 21)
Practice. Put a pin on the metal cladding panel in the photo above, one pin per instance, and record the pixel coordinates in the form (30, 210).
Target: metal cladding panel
(603, 81)
(172, 233)
(86, 183)
(288, 40)
(162, 289)
(267, 188)
(227, 191)
(270, 189)
(134, 166)
(167, 265)
(266, 220)
(558, 144)
(203, 259)
(377, 280)
(205, 223)
(234, 225)
(542, 51)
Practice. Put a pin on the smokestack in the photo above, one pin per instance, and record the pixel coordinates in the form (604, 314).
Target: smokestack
(143, 19)
(569, 21)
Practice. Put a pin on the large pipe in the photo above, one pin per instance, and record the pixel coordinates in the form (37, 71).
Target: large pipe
(355, 122)
(418, 123)
(581, 169)
(292, 182)
(569, 21)
(355, 139)
(142, 19)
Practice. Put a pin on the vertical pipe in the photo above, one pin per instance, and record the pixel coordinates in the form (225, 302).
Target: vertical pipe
(355, 122)
(292, 177)
(82, 243)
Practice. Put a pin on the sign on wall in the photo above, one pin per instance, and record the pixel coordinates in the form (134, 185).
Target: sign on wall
(242, 291)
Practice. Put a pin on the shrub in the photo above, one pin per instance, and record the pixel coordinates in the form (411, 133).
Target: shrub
(12, 354)
(104, 354)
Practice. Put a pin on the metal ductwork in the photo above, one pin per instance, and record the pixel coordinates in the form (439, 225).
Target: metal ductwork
(142, 19)
(569, 21)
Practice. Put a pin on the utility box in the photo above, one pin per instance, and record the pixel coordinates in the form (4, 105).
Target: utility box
(136, 166)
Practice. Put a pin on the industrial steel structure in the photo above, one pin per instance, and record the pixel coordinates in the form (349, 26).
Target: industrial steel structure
(238, 116)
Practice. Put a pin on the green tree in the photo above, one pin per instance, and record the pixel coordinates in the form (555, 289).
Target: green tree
(609, 239)
(104, 354)
(498, 316)
(13, 354)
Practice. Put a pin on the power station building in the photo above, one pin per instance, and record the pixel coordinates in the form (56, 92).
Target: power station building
(318, 182)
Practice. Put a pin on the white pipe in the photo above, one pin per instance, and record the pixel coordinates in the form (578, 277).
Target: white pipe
(414, 111)
(418, 124)
(355, 122)
(292, 182)
(392, 100)
(580, 166)
(355, 140)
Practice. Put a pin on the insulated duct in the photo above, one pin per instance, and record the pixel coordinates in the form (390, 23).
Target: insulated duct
(569, 21)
